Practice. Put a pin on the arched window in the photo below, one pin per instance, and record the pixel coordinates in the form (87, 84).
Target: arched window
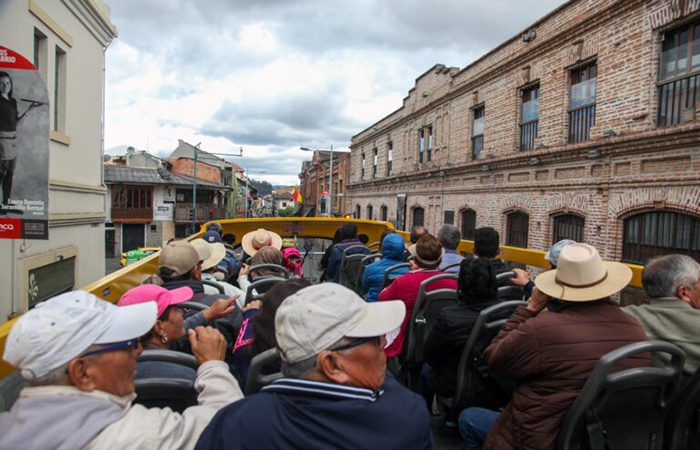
(418, 216)
(516, 235)
(568, 226)
(659, 233)
(370, 212)
(384, 213)
(468, 222)
(358, 210)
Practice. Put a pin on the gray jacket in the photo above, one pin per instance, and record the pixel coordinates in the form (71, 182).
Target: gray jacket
(673, 320)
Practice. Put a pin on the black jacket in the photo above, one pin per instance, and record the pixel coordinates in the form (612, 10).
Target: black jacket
(446, 341)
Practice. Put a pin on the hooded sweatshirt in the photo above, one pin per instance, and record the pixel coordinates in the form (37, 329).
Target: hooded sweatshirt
(392, 254)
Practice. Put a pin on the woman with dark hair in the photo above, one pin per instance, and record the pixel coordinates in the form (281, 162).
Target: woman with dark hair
(478, 290)
(258, 330)
(325, 259)
(9, 116)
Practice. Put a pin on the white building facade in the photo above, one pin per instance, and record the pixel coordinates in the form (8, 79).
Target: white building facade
(67, 40)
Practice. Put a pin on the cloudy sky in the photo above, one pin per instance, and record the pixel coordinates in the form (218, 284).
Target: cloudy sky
(271, 76)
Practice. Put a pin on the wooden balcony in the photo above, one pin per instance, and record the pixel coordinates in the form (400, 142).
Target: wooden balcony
(132, 214)
(205, 212)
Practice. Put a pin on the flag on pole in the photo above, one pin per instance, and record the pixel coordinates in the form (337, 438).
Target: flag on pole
(296, 196)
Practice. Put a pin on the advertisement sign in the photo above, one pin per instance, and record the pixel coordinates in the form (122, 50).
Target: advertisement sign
(24, 149)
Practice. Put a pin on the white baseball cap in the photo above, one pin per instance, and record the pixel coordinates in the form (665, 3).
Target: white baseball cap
(62, 328)
(316, 317)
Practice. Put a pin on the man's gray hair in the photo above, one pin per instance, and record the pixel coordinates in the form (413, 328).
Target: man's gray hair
(663, 275)
(306, 367)
(449, 236)
(57, 377)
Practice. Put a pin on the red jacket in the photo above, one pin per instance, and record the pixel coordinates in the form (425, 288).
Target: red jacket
(406, 288)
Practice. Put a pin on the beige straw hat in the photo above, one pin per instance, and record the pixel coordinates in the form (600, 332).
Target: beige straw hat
(581, 276)
(255, 240)
(216, 252)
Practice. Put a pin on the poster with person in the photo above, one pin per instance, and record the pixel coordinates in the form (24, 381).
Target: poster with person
(24, 149)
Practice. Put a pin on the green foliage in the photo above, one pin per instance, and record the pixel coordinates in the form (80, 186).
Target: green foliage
(286, 212)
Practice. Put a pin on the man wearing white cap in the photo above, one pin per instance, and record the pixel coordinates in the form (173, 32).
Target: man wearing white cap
(77, 355)
(335, 393)
(550, 355)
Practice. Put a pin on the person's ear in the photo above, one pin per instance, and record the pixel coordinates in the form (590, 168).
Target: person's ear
(683, 292)
(80, 374)
(331, 366)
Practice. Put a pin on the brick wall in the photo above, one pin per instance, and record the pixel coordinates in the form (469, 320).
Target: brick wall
(628, 165)
(185, 167)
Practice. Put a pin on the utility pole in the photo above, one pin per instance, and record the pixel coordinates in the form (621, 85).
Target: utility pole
(194, 191)
(330, 186)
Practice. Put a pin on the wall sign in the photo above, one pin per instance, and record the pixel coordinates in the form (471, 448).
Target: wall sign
(24, 149)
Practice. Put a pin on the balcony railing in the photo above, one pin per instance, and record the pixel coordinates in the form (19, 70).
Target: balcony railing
(528, 134)
(182, 212)
(132, 214)
(678, 96)
(580, 122)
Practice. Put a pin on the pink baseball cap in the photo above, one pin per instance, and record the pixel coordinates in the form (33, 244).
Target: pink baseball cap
(154, 293)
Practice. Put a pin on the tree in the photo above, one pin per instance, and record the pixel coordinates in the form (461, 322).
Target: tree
(286, 212)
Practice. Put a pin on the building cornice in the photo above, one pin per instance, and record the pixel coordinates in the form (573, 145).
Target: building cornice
(658, 140)
(569, 34)
(93, 17)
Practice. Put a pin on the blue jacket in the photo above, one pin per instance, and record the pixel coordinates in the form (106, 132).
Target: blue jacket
(302, 414)
(392, 254)
(333, 270)
(451, 257)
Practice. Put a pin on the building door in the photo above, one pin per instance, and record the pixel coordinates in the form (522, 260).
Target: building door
(133, 236)
(109, 243)
(401, 212)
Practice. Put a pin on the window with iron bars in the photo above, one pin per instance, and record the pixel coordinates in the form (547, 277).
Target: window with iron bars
(582, 102)
(478, 131)
(679, 75)
(389, 157)
(529, 117)
(362, 170)
(374, 163)
(425, 143)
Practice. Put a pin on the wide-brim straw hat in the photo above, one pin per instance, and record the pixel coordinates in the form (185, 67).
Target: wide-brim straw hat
(216, 252)
(255, 240)
(582, 276)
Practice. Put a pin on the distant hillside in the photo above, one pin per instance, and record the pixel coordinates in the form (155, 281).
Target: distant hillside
(264, 188)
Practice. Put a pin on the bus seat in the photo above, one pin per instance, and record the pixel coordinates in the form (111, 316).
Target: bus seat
(507, 293)
(350, 264)
(503, 278)
(476, 386)
(423, 318)
(215, 285)
(256, 380)
(169, 356)
(261, 286)
(682, 430)
(444, 269)
(367, 260)
(283, 272)
(387, 279)
(172, 393)
(10, 387)
(623, 409)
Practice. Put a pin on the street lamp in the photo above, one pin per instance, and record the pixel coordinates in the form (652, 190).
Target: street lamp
(330, 181)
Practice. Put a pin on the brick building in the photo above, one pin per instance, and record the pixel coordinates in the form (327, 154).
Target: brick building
(586, 125)
(314, 180)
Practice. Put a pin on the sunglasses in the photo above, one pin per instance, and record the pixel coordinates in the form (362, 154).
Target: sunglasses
(377, 340)
(130, 344)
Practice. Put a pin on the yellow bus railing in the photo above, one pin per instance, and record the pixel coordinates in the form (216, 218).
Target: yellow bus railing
(113, 286)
